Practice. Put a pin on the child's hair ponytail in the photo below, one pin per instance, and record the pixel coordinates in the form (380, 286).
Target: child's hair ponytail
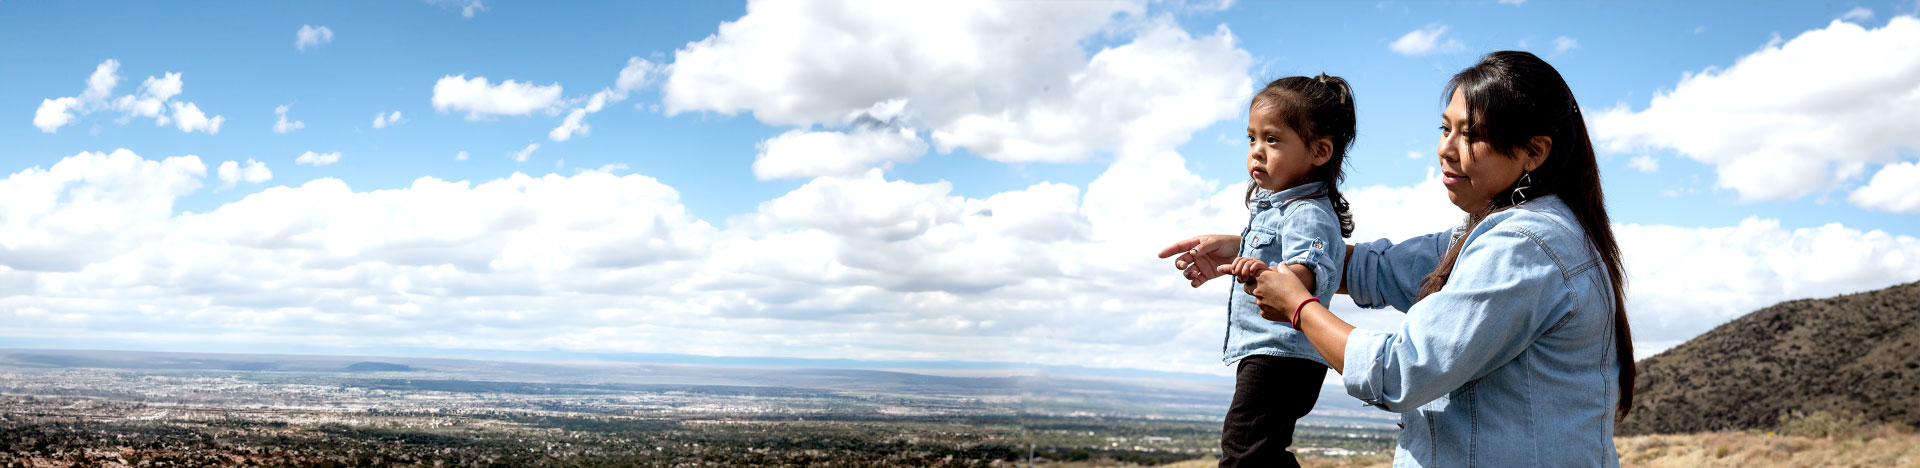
(1317, 107)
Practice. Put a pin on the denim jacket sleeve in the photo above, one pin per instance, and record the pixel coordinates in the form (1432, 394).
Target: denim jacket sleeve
(1310, 237)
(1499, 299)
(1381, 273)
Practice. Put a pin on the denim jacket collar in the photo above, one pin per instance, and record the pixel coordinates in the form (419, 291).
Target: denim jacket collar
(1272, 197)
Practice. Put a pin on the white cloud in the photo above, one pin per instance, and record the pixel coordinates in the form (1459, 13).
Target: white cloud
(878, 139)
(524, 153)
(1857, 14)
(1895, 189)
(1513, 2)
(100, 84)
(1036, 96)
(1644, 163)
(1426, 40)
(188, 118)
(254, 172)
(479, 98)
(310, 36)
(852, 266)
(153, 99)
(55, 113)
(1563, 43)
(382, 120)
(88, 207)
(281, 124)
(1396, 213)
(460, 156)
(317, 159)
(1684, 281)
(638, 73)
(1836, 100)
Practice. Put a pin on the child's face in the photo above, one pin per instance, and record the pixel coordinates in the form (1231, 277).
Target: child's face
(1277, 158)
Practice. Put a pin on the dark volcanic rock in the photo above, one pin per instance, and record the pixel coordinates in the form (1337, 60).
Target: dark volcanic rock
(1857, 353)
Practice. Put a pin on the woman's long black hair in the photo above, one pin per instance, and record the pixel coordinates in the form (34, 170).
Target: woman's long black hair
(1512, 97)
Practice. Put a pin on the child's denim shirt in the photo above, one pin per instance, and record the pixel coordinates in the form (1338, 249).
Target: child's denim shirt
(1512, 363)
(1304, 232)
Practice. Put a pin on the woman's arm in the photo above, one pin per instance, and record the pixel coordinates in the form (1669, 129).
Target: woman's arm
(1381, 273)
(1344, 267)
(1490, 312)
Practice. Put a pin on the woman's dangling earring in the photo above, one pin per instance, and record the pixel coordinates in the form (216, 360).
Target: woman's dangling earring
(1520, 191)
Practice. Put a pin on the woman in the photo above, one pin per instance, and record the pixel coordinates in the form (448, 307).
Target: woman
(1516, 349)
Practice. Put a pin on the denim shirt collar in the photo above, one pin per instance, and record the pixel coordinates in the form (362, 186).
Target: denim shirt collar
(1274, 198)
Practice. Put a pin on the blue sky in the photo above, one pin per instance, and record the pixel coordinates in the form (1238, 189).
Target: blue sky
(1029, 159)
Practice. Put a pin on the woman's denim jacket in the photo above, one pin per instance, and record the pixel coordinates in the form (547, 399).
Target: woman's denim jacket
(1304, 232)
(1512, 363)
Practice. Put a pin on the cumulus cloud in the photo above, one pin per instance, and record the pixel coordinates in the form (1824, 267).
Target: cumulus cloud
(524, 153)
(1036, 96)
(1426, 40)
(152, 100)
(1895, 189)
(804, 154)
(254, 172)
(1685, 281)
(311, 36)
(55, 113)
(878, 138)
(636, 74)
(850, 264)
(480, 98)
(857, 266)
(315, 159)
(281, 124)
(460, 156)
(188, 118)
(89, 207)
(382, 120)
(1838, 100)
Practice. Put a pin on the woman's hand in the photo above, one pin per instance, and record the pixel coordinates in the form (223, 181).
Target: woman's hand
(1278, 290)
(1246, 269)
(1201, 257)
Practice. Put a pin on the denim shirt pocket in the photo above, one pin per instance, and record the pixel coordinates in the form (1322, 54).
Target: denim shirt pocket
(1258, 239)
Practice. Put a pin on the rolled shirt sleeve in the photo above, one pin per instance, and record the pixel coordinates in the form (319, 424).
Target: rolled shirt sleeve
(1310, 235)
(1499, 300)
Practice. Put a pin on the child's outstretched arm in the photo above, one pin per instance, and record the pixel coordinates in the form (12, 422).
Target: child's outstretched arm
(1248, 268)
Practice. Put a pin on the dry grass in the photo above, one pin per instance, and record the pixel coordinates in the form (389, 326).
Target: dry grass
(1885, 445)
(1816, 446)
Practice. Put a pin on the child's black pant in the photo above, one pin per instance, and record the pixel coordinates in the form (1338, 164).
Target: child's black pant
(1270, 393)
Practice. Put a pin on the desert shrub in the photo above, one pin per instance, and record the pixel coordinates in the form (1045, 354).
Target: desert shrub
(1822, 424)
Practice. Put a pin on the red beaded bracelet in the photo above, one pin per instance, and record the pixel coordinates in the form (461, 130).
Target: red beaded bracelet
(1298, 308)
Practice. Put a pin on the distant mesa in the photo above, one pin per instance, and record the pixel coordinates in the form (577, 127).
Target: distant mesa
(1854, 354)
(371, 366)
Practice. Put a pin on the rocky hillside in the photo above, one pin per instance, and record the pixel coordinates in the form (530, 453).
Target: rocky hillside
(1855, 354)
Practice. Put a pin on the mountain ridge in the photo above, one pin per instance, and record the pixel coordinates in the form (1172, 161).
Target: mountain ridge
(1850, 354)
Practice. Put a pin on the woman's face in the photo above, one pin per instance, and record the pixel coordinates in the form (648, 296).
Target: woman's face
(1473, 171)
